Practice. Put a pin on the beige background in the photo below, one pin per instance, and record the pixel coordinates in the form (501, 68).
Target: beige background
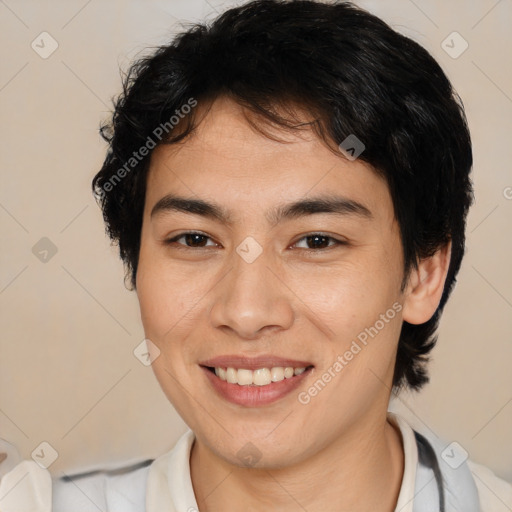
(69, 327)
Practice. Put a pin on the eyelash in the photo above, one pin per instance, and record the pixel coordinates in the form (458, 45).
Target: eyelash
(314, 234)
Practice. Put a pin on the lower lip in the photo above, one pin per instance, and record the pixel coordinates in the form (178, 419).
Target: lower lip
(254, 396)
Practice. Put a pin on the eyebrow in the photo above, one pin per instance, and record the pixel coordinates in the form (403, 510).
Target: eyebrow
(321, 204)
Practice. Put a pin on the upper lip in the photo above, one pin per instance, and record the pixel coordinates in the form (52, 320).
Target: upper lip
(253, 363)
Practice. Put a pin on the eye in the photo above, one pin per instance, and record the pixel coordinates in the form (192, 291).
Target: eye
(319, 241)
(196, 240)
(192, 239)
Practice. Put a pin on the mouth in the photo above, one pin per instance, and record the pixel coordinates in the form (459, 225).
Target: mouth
(254, 382)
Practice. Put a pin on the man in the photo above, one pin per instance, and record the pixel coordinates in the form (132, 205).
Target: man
(288, 188)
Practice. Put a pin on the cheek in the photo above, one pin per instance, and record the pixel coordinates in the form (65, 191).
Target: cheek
(344, 300)
(165, 298)
(167, 294)
(357, 308)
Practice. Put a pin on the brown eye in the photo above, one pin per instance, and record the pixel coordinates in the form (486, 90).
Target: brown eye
(192, 240)
(319, 241)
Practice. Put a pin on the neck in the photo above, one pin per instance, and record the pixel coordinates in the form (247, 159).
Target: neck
(362, 470)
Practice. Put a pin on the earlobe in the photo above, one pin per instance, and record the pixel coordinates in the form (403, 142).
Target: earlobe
(425, 286)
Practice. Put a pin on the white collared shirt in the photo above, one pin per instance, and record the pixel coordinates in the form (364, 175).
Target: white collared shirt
(165, 484)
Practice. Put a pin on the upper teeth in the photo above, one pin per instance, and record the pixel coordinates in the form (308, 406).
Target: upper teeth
(259, 377)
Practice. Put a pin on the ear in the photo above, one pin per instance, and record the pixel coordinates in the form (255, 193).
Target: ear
(425, 286)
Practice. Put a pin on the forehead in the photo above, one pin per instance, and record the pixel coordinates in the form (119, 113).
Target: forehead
(228, 159)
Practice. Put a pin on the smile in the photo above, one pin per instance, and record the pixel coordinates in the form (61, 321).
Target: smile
(254, 388)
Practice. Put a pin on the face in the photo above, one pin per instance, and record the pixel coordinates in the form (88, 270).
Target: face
(254, 284)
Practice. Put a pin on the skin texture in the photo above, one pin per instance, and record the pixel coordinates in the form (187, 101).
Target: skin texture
(337, 452)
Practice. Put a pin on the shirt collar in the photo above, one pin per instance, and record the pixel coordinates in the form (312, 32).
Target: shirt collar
(170, 484)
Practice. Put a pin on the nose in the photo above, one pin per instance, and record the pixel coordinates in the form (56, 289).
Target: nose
(252, 300)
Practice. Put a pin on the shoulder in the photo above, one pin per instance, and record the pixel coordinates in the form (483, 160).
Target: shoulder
(130, 489)
(469, 485)
(24, 485)
(119, 490)
(27, 486)
(495, 494)
(435, 466)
